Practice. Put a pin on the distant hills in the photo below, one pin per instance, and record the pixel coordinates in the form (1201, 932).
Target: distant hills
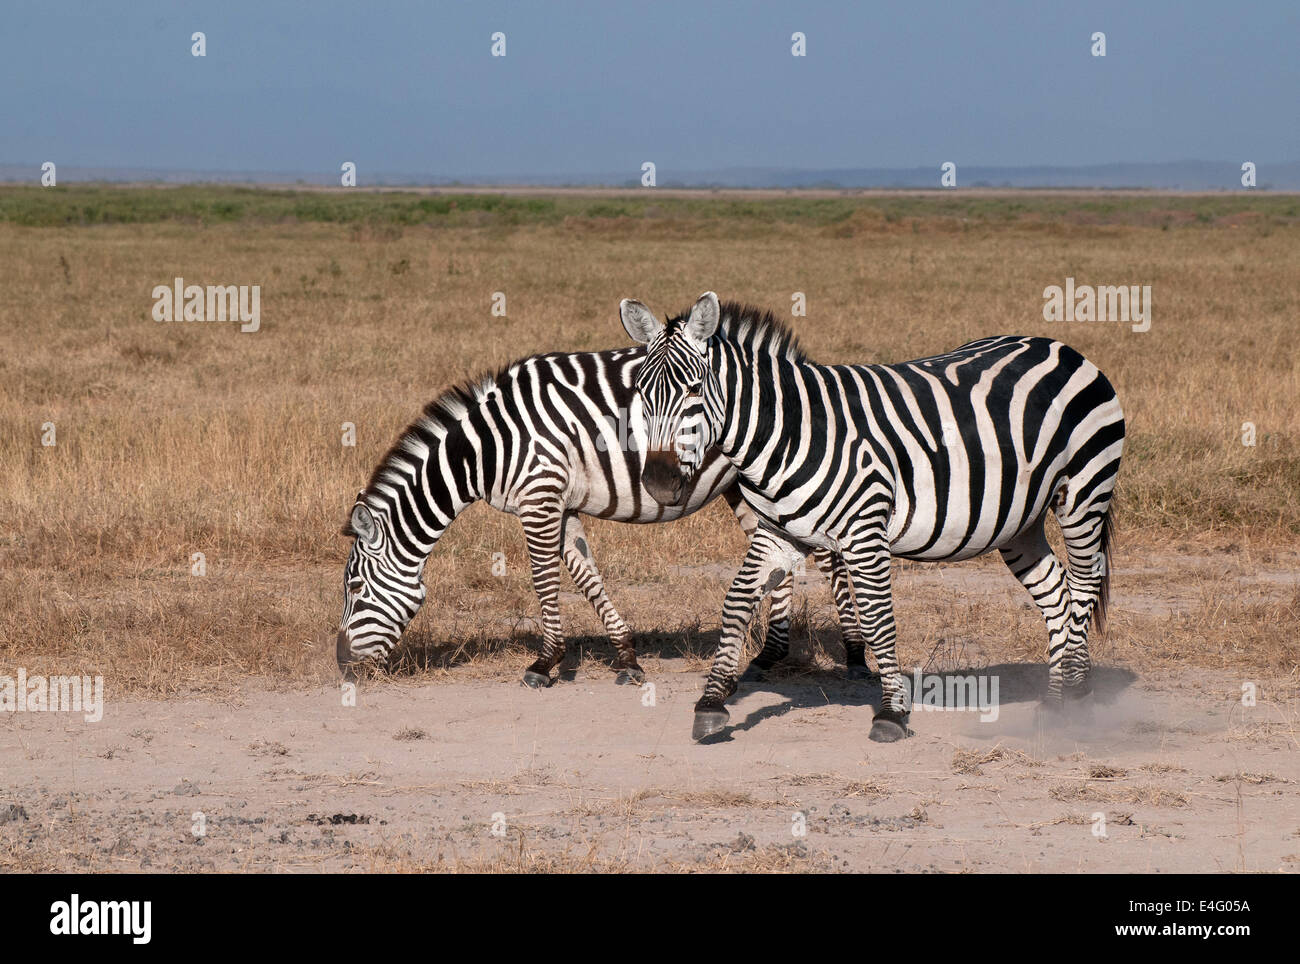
(1176, 175)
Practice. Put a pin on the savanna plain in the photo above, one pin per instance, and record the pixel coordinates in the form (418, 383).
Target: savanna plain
(225, 743)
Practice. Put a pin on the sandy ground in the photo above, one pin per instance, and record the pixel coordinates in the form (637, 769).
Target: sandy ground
(463, 769)
(586, 775)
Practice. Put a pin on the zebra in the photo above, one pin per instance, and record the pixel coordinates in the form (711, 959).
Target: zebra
(544, 438)
(941, 458)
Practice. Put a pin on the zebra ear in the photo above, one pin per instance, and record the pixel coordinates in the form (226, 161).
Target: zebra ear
(363, 524)
(705, 315)
(639, 321)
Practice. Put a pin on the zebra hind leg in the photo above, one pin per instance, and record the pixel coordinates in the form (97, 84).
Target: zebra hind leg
(1033, 563)
(582, 567)
(1087, 531)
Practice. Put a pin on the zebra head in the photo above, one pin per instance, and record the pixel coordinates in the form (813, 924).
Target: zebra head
(681, 398)
(382, 591)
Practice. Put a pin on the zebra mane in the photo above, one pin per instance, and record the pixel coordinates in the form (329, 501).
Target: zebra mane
(419, 439)
(756, 329)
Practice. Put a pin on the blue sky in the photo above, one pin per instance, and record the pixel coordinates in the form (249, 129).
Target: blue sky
(599, 87)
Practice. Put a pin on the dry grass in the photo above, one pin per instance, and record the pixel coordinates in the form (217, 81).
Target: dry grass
(519, 858)
(1104, 771)
(656, 800)
(872, 789)
(1105, 792)
(1252, 778)
(971, 761)
(176, 439)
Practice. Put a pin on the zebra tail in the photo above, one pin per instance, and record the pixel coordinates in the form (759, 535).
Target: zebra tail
(1103, 591)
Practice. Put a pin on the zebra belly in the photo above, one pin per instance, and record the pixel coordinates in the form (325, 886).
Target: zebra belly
(969, 523)
(983, 441)
(937, 510)
(951, 546)
(621, 497)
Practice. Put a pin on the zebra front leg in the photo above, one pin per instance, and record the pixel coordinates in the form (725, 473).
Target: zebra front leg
(868, 563)
(543, 521)
(768, 562)
(582, 567)
(855, 644)
(776, 646)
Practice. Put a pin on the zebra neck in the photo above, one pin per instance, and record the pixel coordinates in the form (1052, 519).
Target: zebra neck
(438, 477)
(724, 362)
(751, 393)
(453, 475)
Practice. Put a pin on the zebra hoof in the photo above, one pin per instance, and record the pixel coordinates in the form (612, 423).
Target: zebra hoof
(1078, 691)
(863, 673)
(889, 727)
(626, 676)
(709, 723)
(536, 681)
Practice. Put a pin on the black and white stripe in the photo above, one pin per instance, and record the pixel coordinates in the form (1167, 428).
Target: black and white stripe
(941, 458)
(545, 439)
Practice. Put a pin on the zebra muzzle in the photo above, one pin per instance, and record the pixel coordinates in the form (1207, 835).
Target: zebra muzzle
(662, 477)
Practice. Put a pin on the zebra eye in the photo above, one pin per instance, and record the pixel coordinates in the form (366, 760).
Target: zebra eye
(355, 585)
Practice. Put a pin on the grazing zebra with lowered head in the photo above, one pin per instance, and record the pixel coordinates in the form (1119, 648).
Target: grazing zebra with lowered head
(545, 438)
(941, 458)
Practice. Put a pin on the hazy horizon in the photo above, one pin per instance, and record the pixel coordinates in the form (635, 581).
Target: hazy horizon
(1198, 176)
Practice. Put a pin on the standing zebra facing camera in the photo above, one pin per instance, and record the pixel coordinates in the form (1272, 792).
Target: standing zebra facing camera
(941, 458)
(545, 438)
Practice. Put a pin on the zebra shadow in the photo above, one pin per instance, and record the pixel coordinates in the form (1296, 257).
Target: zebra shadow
(969, 688)
(422, 649)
